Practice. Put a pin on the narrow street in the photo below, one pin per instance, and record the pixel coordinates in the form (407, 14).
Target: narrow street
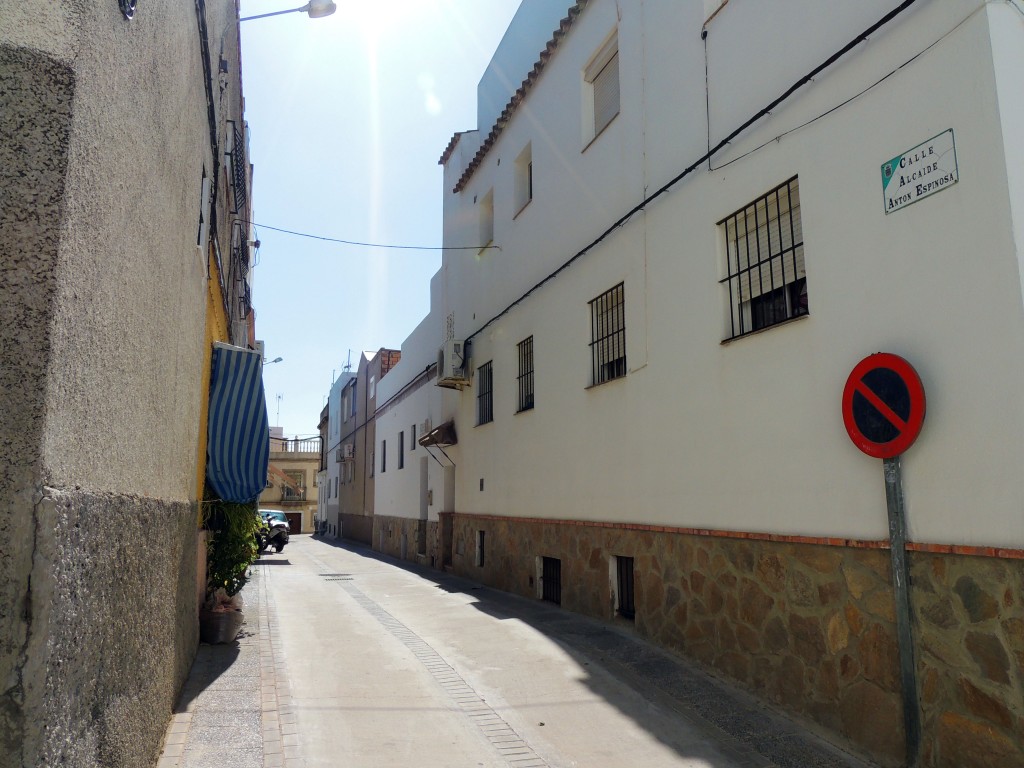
(394, 666)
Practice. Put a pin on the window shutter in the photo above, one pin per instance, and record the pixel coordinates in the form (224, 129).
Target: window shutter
(487, 219)
(761, 244)
(606, 94)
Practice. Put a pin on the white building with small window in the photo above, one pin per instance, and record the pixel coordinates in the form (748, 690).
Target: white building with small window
(665, 254)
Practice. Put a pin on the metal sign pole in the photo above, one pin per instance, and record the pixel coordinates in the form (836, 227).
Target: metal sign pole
(901, 584)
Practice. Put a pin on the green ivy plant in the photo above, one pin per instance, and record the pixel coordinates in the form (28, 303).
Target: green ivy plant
(231, 546)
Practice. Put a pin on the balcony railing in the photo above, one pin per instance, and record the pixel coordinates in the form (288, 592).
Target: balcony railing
(238, 170)
(295, 445)
(293, 494)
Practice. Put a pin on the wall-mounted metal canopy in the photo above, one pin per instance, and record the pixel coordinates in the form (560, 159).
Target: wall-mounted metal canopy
(443, 434)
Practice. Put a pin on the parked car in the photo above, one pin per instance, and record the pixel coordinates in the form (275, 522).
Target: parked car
(274, 514)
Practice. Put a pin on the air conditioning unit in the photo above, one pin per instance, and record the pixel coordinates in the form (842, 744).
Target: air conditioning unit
(452, 364)
(348, 450)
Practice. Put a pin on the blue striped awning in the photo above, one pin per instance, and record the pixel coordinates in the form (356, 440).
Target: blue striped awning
(238, 438)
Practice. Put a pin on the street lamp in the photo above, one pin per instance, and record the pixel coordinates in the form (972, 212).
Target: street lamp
(316, 9)
(275, 360)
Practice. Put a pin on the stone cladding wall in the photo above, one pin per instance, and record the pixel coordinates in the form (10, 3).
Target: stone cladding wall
(357, 528)
(970, 640)
(811, 627)
(387, 539)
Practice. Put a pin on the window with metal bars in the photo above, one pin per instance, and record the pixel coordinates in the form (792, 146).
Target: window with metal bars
(625, 603)
(765, 279)
(551, 580)
(608, 335)
(401, 450)
(238, 170)
(525, 378)
(484, 394)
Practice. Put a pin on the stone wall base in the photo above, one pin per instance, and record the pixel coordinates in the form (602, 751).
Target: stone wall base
(402, 538)
(357, 528)
(810, 627)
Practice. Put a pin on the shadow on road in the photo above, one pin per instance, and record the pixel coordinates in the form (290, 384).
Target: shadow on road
(264, 561)
(743, 729)
(211, 663)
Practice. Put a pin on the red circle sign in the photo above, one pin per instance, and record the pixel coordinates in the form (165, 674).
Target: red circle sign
(883, 405)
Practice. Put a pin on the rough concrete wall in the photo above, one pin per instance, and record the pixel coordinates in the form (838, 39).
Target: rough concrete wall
(810, 627)
(129, 312)
(35, 118)
(111, 628)
(103, 141)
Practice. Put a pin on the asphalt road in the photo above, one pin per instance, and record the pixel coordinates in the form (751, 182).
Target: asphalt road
(392, 666)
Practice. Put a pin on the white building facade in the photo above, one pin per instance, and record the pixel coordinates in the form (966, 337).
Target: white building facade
(337, 415)
(665, 257)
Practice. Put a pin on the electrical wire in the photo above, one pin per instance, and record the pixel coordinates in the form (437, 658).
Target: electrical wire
(842, 104)
(707, 156)
(378, 245)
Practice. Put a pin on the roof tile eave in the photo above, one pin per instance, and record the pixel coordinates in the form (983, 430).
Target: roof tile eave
(517, 98)
(451, 147)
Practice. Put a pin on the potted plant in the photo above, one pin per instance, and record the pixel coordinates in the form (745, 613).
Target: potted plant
(231, 549)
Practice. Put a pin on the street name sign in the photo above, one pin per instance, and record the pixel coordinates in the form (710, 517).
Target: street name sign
(919, 172)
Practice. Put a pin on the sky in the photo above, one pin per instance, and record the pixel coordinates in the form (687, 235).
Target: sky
(348, 116)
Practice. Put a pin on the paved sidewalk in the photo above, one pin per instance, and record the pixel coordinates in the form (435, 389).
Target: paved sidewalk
(235, 708)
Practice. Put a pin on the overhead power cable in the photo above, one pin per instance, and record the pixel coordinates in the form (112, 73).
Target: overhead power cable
(377, 245)
(707, 156)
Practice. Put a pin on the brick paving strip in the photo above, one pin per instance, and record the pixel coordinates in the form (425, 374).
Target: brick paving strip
(512, 747)
(749, 732)
(506, 742)
(235, 709)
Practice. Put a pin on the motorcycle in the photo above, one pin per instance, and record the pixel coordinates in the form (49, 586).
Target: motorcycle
(273, 533)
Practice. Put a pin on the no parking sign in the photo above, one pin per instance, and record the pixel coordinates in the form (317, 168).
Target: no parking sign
(883, 410)
(883, 405)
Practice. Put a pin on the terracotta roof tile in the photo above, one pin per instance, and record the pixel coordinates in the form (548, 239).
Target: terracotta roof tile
(517, 98)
